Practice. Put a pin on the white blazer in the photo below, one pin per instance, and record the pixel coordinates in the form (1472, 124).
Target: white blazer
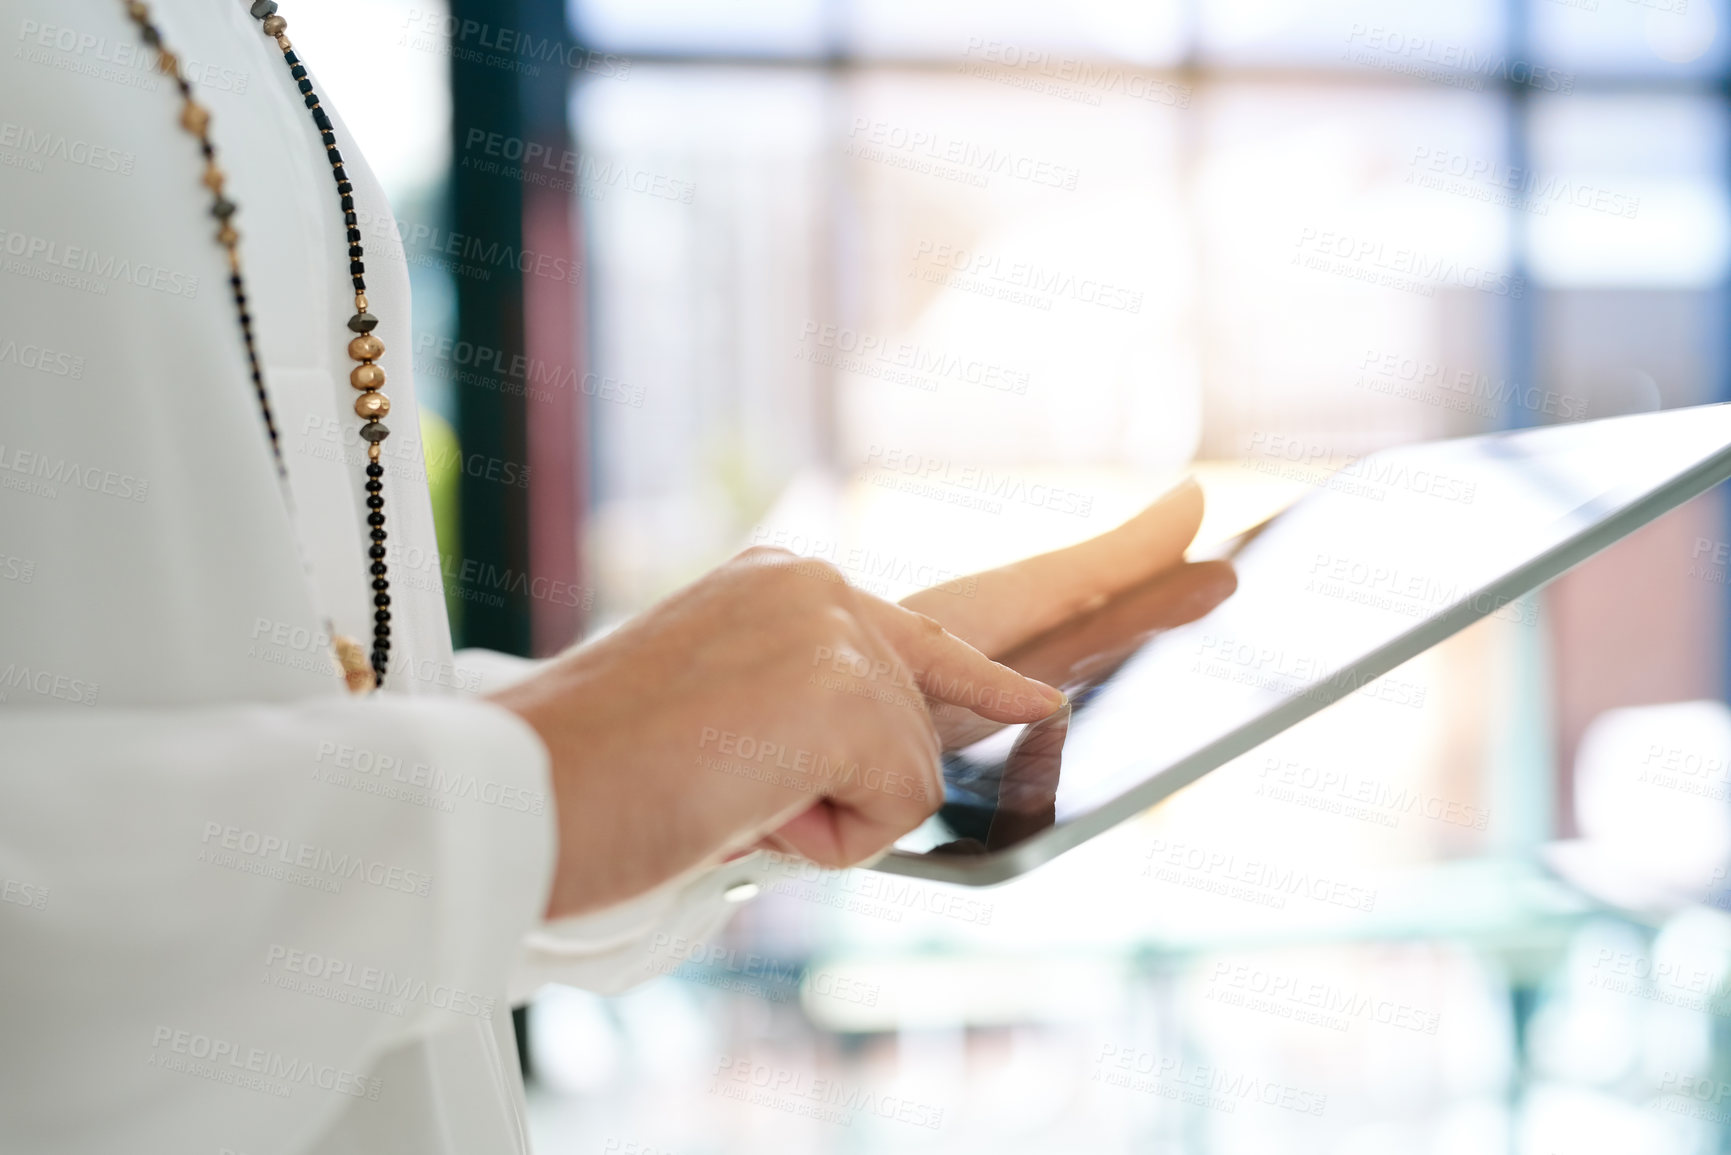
(239, 909)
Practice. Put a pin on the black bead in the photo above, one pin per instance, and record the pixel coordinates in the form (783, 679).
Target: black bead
(381, 599)
(378, 568)
(330, 139)
(350, 220)
(312, 101)
(262, 8)
(291, 57)
(360, 285)
(345, 187)
(356, 251)
(374, 469)
(339, 173)
(375, 551)
(381, 616)
(375, 518)
(363, 322)
(348, 203)
(245, 318)
(374, 501)
(377, 535)
(151, 36)
(336, 158)
(379, 669)
(208, 149)
(382, 633)
(356, 268)
(380, 583)
(322, 119)
(374, 485)
(306, 85)
(354, 235)
(223, 208)
(297, 71)
(184, 85)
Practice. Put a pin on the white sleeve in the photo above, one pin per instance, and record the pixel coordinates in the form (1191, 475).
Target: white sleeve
(611, 950)
(200, 902)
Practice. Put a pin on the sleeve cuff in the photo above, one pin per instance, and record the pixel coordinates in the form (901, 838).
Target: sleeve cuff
(613, 949)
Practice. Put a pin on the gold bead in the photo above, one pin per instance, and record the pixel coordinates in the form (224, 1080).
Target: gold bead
(373, 451)
(213, 178)
(372, 406)
(195, 117)
(228, 236)
(368, 376)
(357, 671)
(360, 302)
(366, 347)
(275, 25)
(168, 63)
(284, 43)
(137, 10)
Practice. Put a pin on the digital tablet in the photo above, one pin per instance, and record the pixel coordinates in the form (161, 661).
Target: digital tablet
(1385, 558)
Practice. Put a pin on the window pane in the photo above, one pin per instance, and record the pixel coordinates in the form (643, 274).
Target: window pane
(1050, 39)
(1398, 37)
(699, 188)
(1627, 190)
(1330, 253)
(699, 28)
(1671, 38)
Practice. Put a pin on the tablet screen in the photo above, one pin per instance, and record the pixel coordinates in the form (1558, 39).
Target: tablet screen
(1382, 555)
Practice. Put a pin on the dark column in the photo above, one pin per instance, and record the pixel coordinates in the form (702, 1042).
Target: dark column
(554, 307)
(487, 211)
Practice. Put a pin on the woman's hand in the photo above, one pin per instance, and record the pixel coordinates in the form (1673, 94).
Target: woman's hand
(768, 703)
(772, 704)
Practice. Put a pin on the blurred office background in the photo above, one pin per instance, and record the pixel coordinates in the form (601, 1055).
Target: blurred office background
(717, 274)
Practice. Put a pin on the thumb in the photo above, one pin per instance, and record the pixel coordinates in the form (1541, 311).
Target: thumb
(1017, 602)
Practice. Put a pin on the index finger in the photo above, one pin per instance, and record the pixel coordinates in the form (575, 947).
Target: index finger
(947, 669)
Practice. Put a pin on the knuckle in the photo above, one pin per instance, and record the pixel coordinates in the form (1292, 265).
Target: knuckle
(837, 622)
(809, 579)
(762, 555)
(928, 625)
(821, 570)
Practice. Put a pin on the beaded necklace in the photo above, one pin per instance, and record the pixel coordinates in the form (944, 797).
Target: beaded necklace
(361, 673)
